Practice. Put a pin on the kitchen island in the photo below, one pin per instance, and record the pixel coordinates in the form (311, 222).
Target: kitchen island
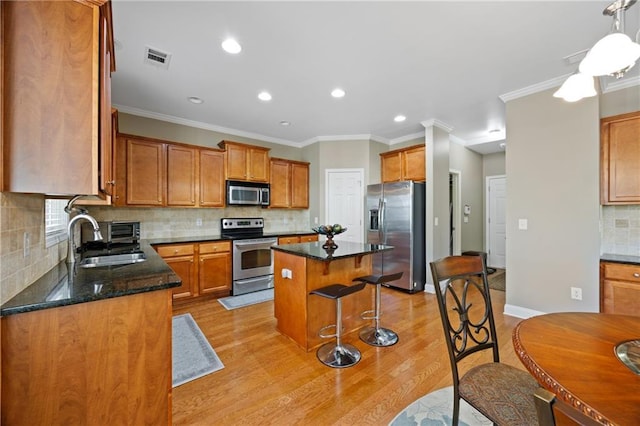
(301, 268)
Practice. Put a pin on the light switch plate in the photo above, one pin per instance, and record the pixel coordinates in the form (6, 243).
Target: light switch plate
(523, 224)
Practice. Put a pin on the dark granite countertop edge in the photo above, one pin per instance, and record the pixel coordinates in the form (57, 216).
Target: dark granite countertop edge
(620, 258)
(118, 281)
(292, 249)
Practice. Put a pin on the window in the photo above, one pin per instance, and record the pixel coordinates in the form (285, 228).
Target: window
(55, 221)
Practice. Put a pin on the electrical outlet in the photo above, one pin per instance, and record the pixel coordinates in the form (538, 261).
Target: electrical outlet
(199, 222)
(26, 240)
(576, 293)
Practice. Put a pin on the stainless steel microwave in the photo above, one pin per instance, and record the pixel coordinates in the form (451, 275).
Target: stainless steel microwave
(241, 193)
(113, 232)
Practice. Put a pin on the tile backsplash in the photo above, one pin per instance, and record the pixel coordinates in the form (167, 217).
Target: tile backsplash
(621, 230)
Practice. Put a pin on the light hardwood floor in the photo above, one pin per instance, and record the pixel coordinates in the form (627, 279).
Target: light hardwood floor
(269, 380)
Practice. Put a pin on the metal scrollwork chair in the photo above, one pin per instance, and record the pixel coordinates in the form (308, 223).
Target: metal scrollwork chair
(502, 393)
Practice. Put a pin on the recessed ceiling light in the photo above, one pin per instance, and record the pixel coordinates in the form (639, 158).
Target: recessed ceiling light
(337, 93)
(264, 96)
(285, 123)
(195, 100)
(399, 118)
(231, 46)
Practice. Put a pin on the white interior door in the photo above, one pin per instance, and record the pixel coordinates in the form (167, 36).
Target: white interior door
(497, 221)
(345, 200)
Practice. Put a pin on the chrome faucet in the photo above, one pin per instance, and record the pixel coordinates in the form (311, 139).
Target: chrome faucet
(97, 236)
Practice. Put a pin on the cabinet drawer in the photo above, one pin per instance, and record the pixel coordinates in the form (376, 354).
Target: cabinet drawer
(216, 247)
(616, 271)
(308, 238)
(175, 250)
(288, 240)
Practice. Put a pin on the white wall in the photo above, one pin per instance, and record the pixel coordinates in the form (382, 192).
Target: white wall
(552, 181)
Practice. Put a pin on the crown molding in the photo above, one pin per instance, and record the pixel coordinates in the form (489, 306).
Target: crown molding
(406, 138)
(619, 84)
(434, 122)
(201, 125)
(534, 88)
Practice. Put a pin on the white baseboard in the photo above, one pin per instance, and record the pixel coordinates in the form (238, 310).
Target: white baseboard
(520, 312)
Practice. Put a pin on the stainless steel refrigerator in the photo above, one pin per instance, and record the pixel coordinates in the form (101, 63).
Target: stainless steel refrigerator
(396, 217)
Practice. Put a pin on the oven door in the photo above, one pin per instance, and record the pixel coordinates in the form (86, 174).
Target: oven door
(252, 258)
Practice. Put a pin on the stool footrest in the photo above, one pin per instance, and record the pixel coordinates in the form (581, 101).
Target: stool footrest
(325, 328)
(369, 315)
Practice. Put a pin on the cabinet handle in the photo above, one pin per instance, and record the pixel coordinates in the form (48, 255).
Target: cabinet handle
(175, 252)
(636, 274)
(111, 182)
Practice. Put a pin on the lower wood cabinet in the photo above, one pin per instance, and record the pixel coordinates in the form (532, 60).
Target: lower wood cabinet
(619, 288)
(106, 362)
(295, 239)
(205, 268)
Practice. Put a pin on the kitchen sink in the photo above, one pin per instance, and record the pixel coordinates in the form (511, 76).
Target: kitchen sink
(112, 260)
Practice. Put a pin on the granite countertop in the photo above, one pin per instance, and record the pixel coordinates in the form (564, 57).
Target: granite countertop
(218, 237)
(315, 251)
(620, 258)
(61, 287)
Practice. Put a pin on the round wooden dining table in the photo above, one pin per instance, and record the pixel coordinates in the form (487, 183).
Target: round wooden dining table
(573, 355)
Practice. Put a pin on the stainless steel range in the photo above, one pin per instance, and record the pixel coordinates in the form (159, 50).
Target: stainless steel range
(252, 254)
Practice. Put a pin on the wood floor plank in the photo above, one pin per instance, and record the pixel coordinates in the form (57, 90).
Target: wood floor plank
(268, 379)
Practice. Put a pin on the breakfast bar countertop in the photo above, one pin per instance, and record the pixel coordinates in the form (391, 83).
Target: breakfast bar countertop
(59, 287)
(344, 249)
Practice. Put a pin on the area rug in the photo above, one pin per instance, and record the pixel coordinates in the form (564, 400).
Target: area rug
(497, 279)
(193, 356)
(436, 409)
(235, 302)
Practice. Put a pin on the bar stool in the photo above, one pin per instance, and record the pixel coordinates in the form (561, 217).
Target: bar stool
(336, 354)
(376, 335)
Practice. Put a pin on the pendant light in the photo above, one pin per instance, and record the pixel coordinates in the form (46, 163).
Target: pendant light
(613, 55)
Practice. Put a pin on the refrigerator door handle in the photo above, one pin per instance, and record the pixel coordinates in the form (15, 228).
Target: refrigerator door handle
(381, 213)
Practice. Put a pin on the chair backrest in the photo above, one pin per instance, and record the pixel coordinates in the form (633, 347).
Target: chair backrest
(464, 302)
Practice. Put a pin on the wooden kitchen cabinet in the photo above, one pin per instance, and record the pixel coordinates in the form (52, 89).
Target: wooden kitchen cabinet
(152, 172)
(403, 164)
(105, 362)
(289, 184)
(181, 258)
(619, 159)
(619, 288)
(210, 275)
(212, 173)
(214, 275)
(182, 172)
(295, 239)
(246, 162)
(57, 59)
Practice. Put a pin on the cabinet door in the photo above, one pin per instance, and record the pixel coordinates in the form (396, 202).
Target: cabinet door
(106, 166)
(391, 167)
(181, 176)
(50, 82)
(299, 186)
(185, 268)
(236, 162)
(620, 156)
(145, 173)
(258, 165)
(212, 178)
(280, 184)
(215, 273)
(414, 164)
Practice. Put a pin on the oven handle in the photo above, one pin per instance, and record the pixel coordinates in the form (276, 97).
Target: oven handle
(254, 244)
(267, 278)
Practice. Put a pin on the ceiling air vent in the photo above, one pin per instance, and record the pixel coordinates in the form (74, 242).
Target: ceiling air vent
(157, 57)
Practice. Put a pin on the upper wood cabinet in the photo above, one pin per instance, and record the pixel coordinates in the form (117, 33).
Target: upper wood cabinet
(289, 184)
(152, 172)
(57, 59)
(246, 162)
(403, 164)
(620, 159)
